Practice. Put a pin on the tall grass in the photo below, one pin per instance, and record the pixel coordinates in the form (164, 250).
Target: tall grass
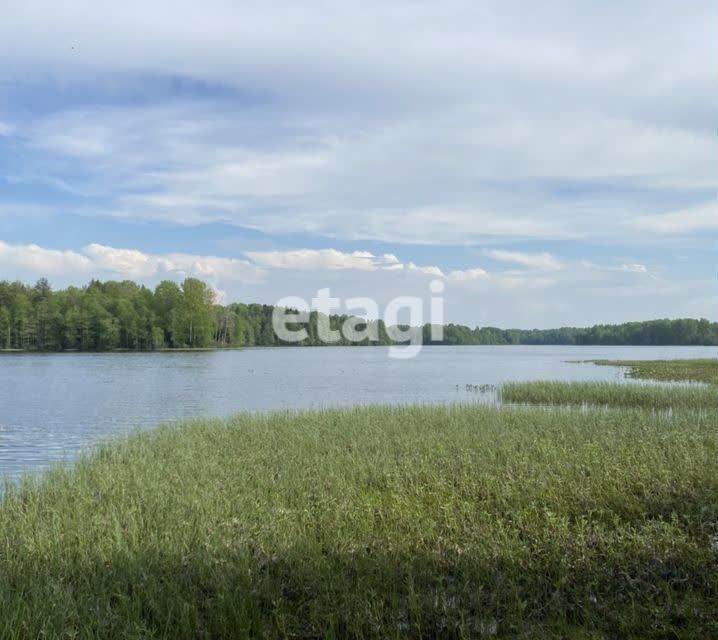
(705, 370)
(374, 522)
(610, 394)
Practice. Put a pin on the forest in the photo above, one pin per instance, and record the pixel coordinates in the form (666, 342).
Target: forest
(105, 316)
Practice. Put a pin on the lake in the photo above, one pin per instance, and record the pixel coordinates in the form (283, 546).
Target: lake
(54, 405)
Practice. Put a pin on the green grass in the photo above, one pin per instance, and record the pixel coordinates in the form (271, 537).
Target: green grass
(668, 370)
(603, 394)
(405, 522)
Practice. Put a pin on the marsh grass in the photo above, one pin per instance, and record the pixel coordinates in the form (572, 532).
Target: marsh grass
(607, 394)
(668, 370)
(375, 522)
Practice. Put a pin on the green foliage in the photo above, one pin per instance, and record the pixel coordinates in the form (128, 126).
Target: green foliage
(377, 522)
(194, 319)
(105, 316)
(124, 315)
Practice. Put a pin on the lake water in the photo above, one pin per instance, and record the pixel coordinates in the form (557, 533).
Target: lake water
(53, 405)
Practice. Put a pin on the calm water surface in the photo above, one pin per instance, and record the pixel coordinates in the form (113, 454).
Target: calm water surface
(53, 405)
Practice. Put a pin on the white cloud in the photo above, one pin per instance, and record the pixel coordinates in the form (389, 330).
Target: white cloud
(703, 218)
(543, 261)
(190, 163)
(406, 122)
(212, 268)
(391, 260)
(128, 262)
(131, 263)
(99, 260)
(634, 268)
(43, 261)
(468, 275)
(6, 129)
(427, 271)
(321, 259)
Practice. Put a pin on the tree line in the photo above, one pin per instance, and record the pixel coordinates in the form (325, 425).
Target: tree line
(104, 316)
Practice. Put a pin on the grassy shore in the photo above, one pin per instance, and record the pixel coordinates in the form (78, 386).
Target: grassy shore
(403, 522)
(606, 394)
(668, 370)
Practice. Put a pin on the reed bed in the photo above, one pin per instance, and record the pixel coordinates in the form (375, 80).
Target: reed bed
(705, 370)
(607, 394)
(415, 522)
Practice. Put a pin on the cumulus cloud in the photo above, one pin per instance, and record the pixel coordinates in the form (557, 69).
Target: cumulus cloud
(321, 259)
(106, 261)
(427, 270)
(44, 261)
(331, 259)
(212, 268)
(96, 260)
(128, 262)
(544, 261)
(467, 275)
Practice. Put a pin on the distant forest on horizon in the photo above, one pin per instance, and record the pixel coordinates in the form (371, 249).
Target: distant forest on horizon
(112, 315)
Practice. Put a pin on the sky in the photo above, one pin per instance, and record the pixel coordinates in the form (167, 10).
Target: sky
(552, 163)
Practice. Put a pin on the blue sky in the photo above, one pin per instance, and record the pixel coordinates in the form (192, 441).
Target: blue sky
(552, 164)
